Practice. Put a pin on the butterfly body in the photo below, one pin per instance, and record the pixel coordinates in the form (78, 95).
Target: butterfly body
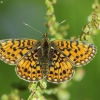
(45, 48)
(52, 60)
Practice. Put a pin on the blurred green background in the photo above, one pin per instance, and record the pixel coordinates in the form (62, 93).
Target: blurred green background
(12, 15)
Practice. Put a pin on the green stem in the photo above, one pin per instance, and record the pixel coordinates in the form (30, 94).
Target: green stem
(93, 23)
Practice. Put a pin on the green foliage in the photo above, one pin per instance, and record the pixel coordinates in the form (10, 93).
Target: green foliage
(13, 13)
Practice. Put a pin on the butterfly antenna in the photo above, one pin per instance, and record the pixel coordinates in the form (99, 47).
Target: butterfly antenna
(61, 22)
(32, 28)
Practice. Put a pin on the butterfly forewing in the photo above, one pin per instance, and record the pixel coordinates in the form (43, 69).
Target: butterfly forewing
(12, 50)
(77, 52)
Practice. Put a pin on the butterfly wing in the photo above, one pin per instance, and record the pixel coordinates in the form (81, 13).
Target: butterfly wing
(77, 52)
(29, 67)
(12, 50)
(60, 69)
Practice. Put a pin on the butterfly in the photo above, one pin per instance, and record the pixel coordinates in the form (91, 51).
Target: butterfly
(53, 60)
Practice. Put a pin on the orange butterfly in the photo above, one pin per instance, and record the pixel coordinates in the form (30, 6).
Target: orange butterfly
(53, 60)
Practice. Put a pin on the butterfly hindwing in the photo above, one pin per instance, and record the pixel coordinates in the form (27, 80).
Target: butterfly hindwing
(29, 67)
(60, 69)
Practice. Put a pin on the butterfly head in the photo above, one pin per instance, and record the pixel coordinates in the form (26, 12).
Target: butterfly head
(45, 36)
